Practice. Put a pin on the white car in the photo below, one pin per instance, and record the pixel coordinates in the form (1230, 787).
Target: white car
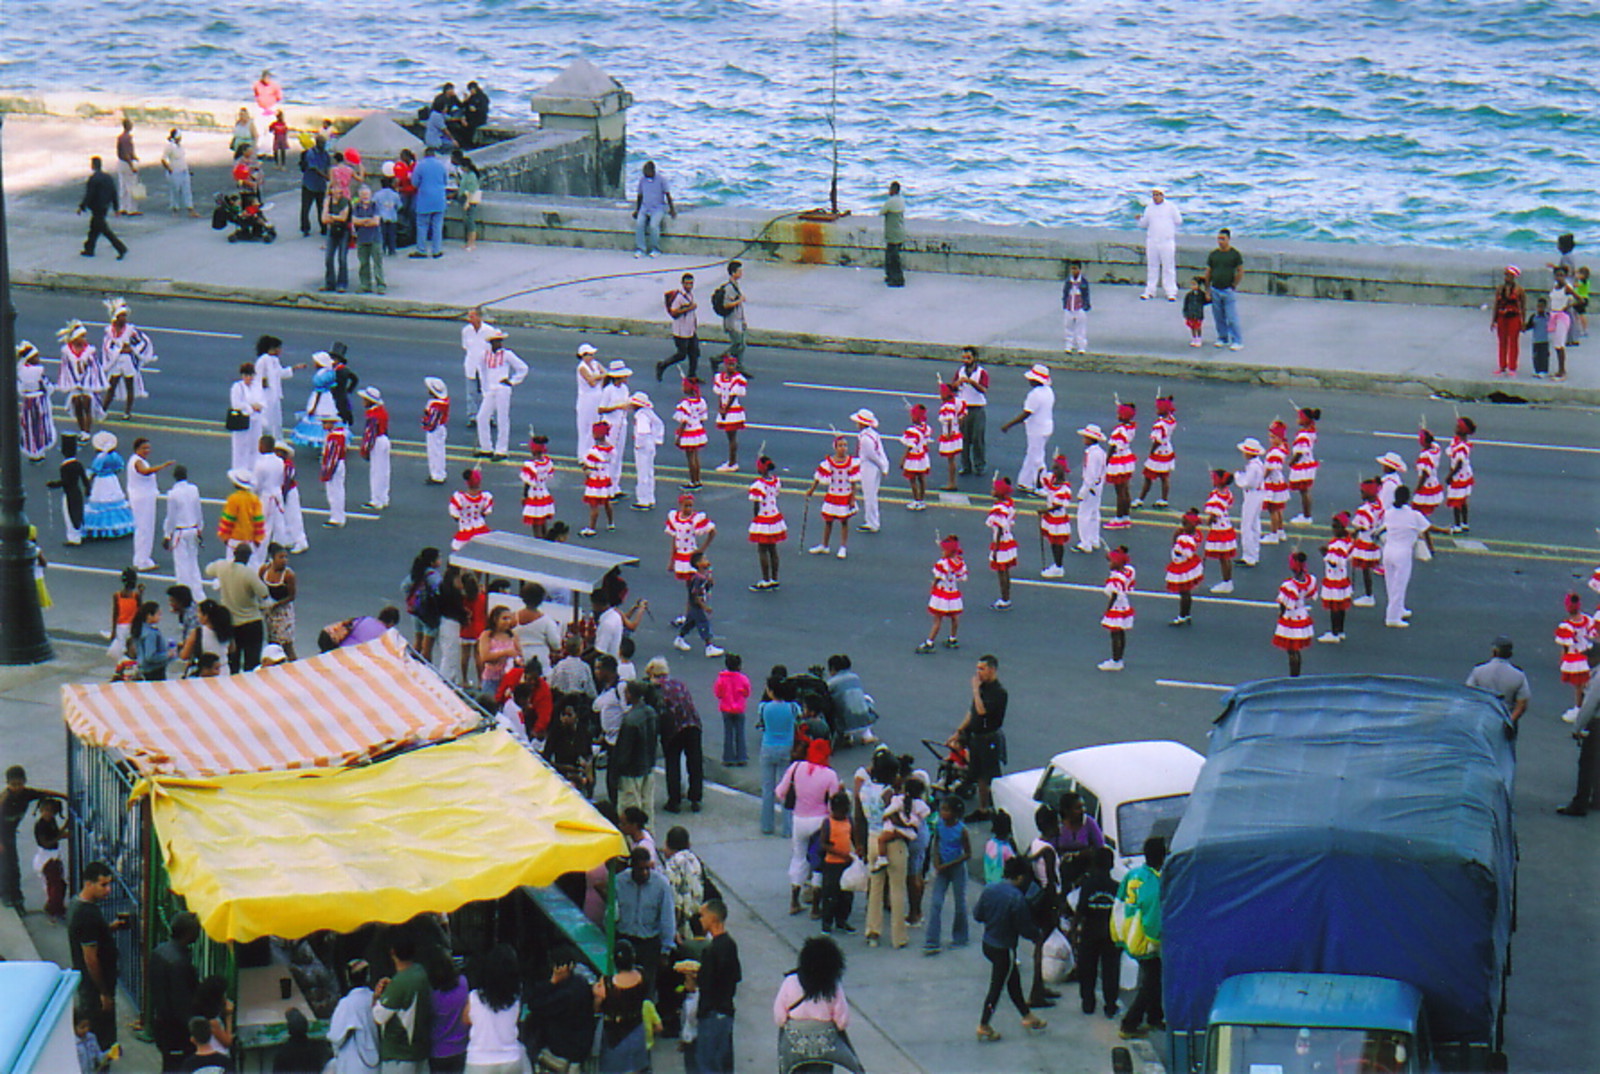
(1133, 790)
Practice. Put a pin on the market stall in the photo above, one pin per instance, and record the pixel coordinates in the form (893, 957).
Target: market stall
(568, 572)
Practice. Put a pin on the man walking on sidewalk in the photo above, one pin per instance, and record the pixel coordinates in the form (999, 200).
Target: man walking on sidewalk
(681, 307)
(99, 198)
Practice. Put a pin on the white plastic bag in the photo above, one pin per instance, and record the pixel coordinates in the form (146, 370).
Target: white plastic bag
(1056, 957)
(855, 876)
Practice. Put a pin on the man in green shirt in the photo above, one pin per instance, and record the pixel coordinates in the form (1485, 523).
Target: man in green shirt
(894, 237)
(403, 1010)
(1224, 271)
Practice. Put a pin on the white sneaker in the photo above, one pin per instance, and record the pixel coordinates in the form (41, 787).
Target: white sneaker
(1222, 587)
(1001, 605)
(1365, 602)
(1570, 716)
(637, 254)
(655, 253)
(842, 553)
(727, 468)
(1330, 638)
(1399, 624)
(1405, 613)
(586, 532)
(1109, 665)
(1196, 341)
(1083, 350)
(1273, 537)
(1052, 571)
(1302, 520)
(1236, 346)
(818, 550)
(680, 644)
(1147, 296)
(712, 650)
(1137, 503)
(1219, 344)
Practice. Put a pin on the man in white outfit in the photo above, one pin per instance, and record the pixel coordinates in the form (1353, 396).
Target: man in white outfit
(501, 371)
(1160, 221)
(474, 345)
(590, 375)
(435, 434)
(1091, 489)
(245, 398)
(1251, 481)
(874, 464)
(1038, 423)
(294, 520)
(268, 471)
(1402, 526)
(375, 447)
(614, 407)
(649, 433)
(270, 375)
(181, 533)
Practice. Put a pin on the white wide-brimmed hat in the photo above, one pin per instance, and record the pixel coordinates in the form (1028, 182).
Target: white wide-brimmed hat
(1092, 431)
(1392, 461)
(865, 417)
(273, 654)
(1038, 374)
(640, 399)
(618, 368)
(322, 360)
(1251, 446)
(586, 349)
(494, 334)
(104, 440)
(436, 387)
(243, 478)
(370, 394)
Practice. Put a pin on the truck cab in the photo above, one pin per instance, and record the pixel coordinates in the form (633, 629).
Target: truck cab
(1316, 1023)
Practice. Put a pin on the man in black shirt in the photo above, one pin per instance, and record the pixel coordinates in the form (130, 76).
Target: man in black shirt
(14, 803)
(718, 980)
(94, 952)
(99, 198)
(981, 732)
(74, 486)
(173, 980)
(1099, 959)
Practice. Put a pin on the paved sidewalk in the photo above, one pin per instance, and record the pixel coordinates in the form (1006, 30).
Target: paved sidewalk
(1289, 341)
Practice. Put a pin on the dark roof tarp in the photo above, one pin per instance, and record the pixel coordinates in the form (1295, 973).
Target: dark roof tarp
(1348, 824)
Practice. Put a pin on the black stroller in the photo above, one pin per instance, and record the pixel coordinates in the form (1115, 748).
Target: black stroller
(245, 213)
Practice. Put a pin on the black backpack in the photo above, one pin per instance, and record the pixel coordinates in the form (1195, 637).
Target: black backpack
(719, 301)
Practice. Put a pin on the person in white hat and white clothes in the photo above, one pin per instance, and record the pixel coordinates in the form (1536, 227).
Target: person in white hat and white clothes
(649, 433)
(1252, 482)
(376, 447)
(143, 489)
(268, 473)
(874, 464)
(615, 406)
(1160, 220)
(294, 519)
(502, 370)
(474, 345)
(1091, 488)
(1394, 467)
(435, 428)
(1038, 423)
(591, 377)
(1403, 525)
(245, 397)
(182, 531)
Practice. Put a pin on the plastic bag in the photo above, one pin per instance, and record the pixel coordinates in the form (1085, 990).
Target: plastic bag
(1056, 957)
(855, 876)
(137, 190)
(1424, 553)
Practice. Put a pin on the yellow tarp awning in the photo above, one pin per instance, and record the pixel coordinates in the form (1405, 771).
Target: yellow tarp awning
(288, 853)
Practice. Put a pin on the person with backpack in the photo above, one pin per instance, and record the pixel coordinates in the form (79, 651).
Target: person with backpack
(1099, 958)
(681, 307)
(727, 302)
(1139, 933)
(421, 591)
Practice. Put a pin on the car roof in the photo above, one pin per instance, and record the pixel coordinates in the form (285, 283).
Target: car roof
(1132, 771)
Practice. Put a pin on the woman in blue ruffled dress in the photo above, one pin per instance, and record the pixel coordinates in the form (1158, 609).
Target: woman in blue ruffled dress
(308, 426)
(106, 515)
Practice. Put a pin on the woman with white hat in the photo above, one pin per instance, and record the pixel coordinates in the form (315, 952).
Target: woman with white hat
(1394, 468)
(245, 406)
(1038, 423)
(81, 377)
(1252, 481)
(1091, 488)
(435, 428)
(106, 515)
(320, 404)
(874, 464)
(591, 375)
(614, 408)
(33, 390)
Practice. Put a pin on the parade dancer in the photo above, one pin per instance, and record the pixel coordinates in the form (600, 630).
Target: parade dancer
(616, 405)
(319, 404)
(1222, 540)
(1118, 617)
(1038, 425)
(375, 447)
(1002, 523)
(767, 526)
(690, 415)
(1336, 560)
(729, 385)
(435, 428)
(471, 506)
(538, 505)
(1091, 487)
(1364, 546)
(952, 413)
(144, 487)
(81, 377)
(244, 411)
(1275, 481)
(501, 370)
(1294, 630)
(689, 531)
(1429, 493)
(183, 531)
(124, 351)
(1121, 463)
(474, 345)
(649, 433)
(1251, 481)
(294, 519)
(268, 471)
(242, 520)
(598, 489)
(874, 464)
(331, 472)
(1303, 462)
(944, 601)
(1461, 479)
(33, 392)
(106, 516)
(591, 378)
(1055, 521)
(838, 474)
(915, 465)
(1403, 525)
(1186, 565)
(1575, 636)
(1391, 469)
(1159, 463)
(271, 372)
(344, 382)
(73, 481)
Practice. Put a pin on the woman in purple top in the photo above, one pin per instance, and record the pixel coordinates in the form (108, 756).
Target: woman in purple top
(1079, 833)
(450, 1029)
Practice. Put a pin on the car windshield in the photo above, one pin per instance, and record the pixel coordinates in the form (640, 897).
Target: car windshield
(1287, 1050)
(1138, 821)
(1054, 783)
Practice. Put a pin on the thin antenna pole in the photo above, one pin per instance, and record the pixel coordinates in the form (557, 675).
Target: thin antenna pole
(833, 112)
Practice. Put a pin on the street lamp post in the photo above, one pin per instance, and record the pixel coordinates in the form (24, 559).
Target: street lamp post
(22, 636)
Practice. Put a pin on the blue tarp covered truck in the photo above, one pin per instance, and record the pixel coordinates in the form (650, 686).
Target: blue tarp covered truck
(1340, 892)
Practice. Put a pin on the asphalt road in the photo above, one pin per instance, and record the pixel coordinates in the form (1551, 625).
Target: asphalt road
(1533, 540)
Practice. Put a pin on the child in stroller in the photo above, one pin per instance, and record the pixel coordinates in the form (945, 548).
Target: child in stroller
(243, 210)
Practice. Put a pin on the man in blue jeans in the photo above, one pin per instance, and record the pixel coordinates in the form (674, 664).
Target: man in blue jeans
(1224, 271)
(653, 201)
(429, 179)
(717, 981)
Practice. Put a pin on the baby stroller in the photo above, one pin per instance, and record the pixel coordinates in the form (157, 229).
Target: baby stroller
(953, 774)
(244, 211)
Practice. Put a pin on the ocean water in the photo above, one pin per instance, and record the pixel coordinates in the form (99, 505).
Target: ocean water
(1463, 123)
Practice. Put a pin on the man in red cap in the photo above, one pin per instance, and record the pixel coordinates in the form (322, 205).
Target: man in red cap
(1002, 523)
(944, 601)
(767, 526)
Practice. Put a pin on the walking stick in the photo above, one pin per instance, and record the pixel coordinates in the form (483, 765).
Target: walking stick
(805, 521)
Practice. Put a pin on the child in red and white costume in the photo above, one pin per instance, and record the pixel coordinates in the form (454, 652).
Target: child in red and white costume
(1366, 551)
(915, 466)
(1222, 539)
(598, 488)
(951, 412)
(1055, 521)
(944, 600)
(1186, 565)
(1429, 493)
(1275, 482)
(435, 422)
(1303, 462)
(767, 526)
(691, 414)
(1118, 618)
(690, 531)
(838, 475)
(730, 387)
(1002, 523)
(1461, 480)
(1158, 464)
(1294, 630)
(538, 505)
(1575, 635)
(335, 448)
(1121, 462)
(1336, 588)
(470, 507)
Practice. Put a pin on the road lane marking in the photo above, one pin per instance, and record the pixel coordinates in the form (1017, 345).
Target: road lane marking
(1478, 442)
(1080, 587)
(303, 509)
(857, 391)
(114, 572)
(1183, 684)
(796, 429)
(172, 331)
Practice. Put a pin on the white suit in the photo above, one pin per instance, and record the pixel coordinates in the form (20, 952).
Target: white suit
(245, 397)
(1160, 223)
(1038, 426)
(588, 404)
(1250, 481)
(182, 532)
(649, 433)
(268, 470)
(874, 464)
(1403, 527)
(270, 375)
(143, 489)
(501, 371)
(474, 345)
(1089, 493)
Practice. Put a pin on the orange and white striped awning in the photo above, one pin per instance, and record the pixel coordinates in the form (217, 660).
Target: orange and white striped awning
(328, 711)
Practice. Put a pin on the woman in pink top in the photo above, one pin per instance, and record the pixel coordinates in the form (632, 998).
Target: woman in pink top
(814, 783)
(733, 697)
(812, 1012)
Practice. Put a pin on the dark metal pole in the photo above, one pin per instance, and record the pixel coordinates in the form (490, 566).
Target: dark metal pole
(22, 636)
